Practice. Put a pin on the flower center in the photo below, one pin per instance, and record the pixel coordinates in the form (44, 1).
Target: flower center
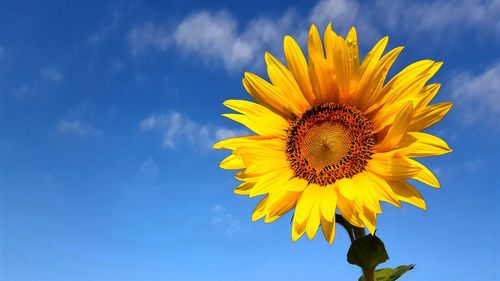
(329, 142)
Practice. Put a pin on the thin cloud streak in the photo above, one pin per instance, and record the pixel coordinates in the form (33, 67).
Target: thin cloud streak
(176, 129)
(217, 37)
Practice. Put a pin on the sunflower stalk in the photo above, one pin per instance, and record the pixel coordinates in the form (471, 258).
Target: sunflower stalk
(364, 252)
(347, 226)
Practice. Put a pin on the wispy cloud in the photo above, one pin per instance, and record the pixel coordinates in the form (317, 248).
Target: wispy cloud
(478, 95)
(217, 37)
(176, 128)
(2, 52)
(76, 128)
(51, 74)
(149, 35)
(224, 220)
(213, 36)
(114, 21)
(149, 168)
(441, 17)
(46, 77)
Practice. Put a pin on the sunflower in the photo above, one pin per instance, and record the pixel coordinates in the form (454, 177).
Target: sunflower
(330, 135)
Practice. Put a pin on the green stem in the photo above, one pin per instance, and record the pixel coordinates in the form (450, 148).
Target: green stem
(348, 227)
(368, 273)
(355, 233)
(358, 232)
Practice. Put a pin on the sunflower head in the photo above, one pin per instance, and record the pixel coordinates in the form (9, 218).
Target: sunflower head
(332, 136)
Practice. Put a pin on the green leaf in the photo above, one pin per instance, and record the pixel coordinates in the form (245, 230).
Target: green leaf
(367, 252)
(390, 274)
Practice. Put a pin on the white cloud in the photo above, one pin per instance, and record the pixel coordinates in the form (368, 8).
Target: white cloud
(118, 14)
(225, 133)
(218, 37)
(47, 76)
(439, 17)
(149, 168)
(214, 37)
(224, 220)
(148, 35)
(176, 128)
(51, 74)
(478, 95)
(77, 128)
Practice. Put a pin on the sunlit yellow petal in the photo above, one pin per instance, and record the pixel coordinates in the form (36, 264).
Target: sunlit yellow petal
(258, 118)
(232, 162)
(370, 92)
(279, 203)
(418, 144)
(429, 116)
(328, 203)
(328, 228)
(260, 210)
(270, 96)
(407, 193)
(397, 129)
(298, 67)
(392, 166)
(282, 78)
(313, 221)
(306, 202)
(320, 72)
(425, 175)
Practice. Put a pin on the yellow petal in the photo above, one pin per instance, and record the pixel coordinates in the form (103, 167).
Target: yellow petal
(368, 66)
(348, 211)
(382, 190)
(296, 184)
(347, 188)
(328, 203)
(364, 196)
(232, 162)
(328, 228)
(320, 73)
(392, 166)
(397, 130)
(418, 144)
(429, 116)
(411, 80)
(369, 218)
(313, 221)
(404, 87)
(271, 181)
(258, 118)
(260, 210)
(298, 229)
(342, 68)
(352, 45)
(407, 193)
(279, 204)
(282, 78)
(269, 96)
(306, 202)
(298, 67)
(234, 143)
(428, 93)
(244, 188)
(425, 175)
(369, 92)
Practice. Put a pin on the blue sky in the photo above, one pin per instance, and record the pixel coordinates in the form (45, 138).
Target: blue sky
(108, 110)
